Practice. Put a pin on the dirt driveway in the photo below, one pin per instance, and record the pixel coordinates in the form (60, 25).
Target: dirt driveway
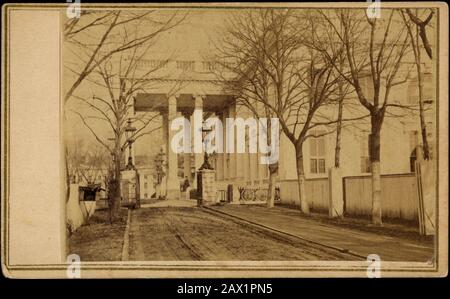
(189, 233)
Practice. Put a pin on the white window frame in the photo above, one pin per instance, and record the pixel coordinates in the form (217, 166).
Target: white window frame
(364, 154)
(317, 158)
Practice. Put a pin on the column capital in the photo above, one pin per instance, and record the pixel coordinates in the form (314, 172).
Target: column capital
(199, 95)
(173, 96)
(198, 101)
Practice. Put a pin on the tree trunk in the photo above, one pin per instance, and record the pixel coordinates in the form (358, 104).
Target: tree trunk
(337, 149)
(375, 169)
(376, 193)
(271, 190)
(304, 207)
(417, 57)
(116, 192)
(423, 126)
(272, 167)
(66, 172)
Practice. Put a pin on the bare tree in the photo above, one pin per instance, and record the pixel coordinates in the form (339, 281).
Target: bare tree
(92, 38)
(75, 157)
(97, 160)
(85, 161)
(342, 92)
(421, 28)
(374, 48)
(117, 80)
(415, 37)
(238, 85)
(95, 38)
(323, 39)
(272, 63)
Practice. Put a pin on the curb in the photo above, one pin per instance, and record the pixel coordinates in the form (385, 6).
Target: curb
(126, 239)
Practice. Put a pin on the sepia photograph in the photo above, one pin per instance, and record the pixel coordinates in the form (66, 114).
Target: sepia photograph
(226, 140)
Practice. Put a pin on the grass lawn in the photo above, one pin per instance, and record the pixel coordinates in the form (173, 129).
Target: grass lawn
(99, 240)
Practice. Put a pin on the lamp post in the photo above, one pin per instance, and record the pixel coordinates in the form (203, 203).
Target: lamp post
(159, 165)
(205, 185)
(129, 130)
(133, 180)
(159, 159)
(205, 164)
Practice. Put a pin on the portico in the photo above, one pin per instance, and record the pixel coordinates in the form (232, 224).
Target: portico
(187, 104)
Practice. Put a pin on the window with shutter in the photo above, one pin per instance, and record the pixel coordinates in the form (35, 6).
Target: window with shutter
(317, 152)
(364, 147)
(413, 93)
(313, 165)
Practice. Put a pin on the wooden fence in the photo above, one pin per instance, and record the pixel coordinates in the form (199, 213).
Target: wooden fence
(398, 192)
(316, 193)
(398, 196)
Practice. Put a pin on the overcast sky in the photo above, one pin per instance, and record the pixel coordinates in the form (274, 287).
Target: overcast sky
(190, 41)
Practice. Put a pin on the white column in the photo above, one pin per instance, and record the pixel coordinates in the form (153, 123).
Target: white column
(165, 130)
(233, 160)
(219, 169)
(258, 166)
(187, 156)
(239, 157)
(173, 183)
(225, 157)
(197, 127)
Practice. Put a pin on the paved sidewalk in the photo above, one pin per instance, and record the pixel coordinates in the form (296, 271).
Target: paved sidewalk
(364, 243)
